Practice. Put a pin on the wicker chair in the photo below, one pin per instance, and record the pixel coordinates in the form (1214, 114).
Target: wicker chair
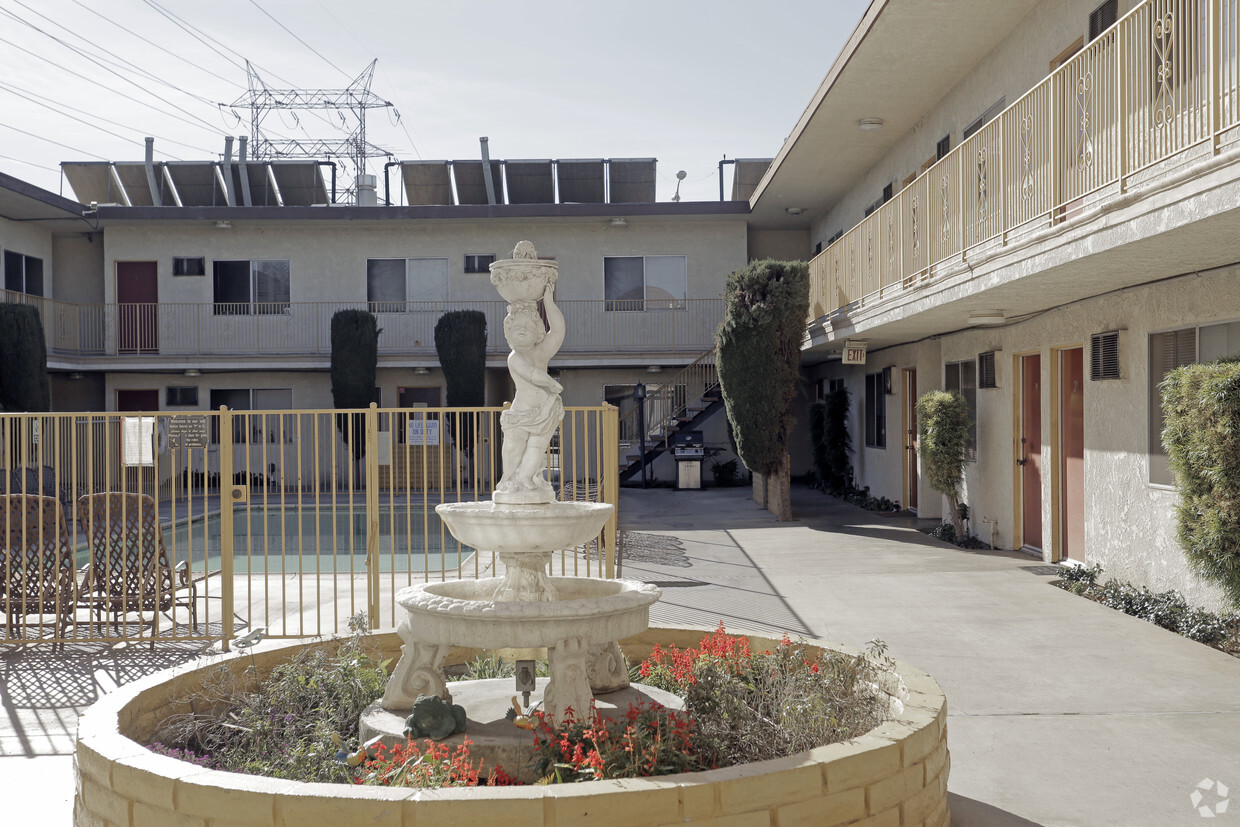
(36, 563)
(129, 569)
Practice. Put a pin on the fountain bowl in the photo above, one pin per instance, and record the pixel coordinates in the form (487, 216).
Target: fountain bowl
(514, 528)
(523, 280)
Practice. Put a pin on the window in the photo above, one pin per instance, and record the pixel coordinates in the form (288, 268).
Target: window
(888, 192)
(838, 235)
(943, 147)
(962, 378)
(645, 282)
(1169, 351)
(23, 274)
(189, 266)
(254, 428)
(818, 248)
(385, 284)
(875, 411)
(180, 396)
(243, 288)
(479, 263)
(986, 117)
(1103, 18)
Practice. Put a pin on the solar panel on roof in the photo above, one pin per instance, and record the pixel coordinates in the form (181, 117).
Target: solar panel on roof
(427, 183)
(529, 182)
(631, 180)
(581, 181)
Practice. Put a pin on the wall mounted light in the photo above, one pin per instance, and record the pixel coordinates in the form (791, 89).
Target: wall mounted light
(654, 369)
(75, 375)
(981, 318)
(870, 124)
(794, 210)
(619, 222)
(421, 371)
(193, 372)
(223, 225)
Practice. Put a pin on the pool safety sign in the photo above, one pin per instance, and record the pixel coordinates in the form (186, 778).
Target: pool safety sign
(423, 431)
(854, 352)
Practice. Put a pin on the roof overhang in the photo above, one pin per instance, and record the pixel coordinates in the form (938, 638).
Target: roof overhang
(899, 62)
(20, 201)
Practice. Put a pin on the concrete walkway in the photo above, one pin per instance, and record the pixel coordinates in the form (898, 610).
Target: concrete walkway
(1063, 712)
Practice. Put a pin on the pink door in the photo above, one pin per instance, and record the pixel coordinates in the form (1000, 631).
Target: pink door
(1031, 450)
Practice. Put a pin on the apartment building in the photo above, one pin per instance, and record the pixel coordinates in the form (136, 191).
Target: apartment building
(1036, 203)
(186, 286)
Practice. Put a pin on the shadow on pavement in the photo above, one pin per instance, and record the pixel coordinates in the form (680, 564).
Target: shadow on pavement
(968, 812)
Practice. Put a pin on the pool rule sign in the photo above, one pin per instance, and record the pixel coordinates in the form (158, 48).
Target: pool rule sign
(188, 432)
(854, 352)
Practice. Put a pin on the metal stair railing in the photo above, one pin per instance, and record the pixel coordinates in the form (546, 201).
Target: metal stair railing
(672, 401)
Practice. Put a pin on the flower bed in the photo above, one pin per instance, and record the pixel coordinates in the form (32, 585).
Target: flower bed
(898, 771)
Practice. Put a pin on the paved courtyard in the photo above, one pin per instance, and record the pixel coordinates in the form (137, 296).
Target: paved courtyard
(1062, 712)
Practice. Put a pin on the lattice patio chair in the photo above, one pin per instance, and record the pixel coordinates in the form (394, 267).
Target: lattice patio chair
(36, 563)
(129, 569)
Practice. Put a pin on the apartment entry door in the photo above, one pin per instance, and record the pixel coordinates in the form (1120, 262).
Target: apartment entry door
(1029, 451)
(137, 300)
(910, 439)
(1072, 454)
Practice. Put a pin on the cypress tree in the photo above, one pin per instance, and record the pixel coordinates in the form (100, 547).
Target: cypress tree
(461, 342)
(355, 357)
(23, 360)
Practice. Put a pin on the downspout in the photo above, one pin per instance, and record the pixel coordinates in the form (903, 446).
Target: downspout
(245, 171)
(229, 195)
(387, 191)
(486, 170)
(721, 163)
(152, 180)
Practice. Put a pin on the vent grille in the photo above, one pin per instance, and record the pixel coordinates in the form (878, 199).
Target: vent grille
(986, 370)
(1104, 356)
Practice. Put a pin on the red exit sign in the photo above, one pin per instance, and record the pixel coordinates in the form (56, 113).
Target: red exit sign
(854, 355)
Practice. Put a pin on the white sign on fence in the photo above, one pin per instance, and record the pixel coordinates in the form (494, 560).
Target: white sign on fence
(423, 432)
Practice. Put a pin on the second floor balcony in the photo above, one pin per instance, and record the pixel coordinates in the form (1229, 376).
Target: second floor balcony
(123, 334)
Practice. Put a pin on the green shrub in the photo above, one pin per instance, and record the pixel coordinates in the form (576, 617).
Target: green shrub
(461, 342)
(282, 727)
(1201, 404)
(759, 355)
(943, 434)
(355, 358)
(23, 360)
(831, 442)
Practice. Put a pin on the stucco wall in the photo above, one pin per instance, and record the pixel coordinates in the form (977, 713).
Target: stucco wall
(1129, 523)
(327, 261)
(1012, 68)
(79, 268)
(783, 245)
(29, 239)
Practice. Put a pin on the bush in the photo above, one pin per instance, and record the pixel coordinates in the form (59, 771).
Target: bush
(943, 434)
(23, 360)
(832, 444)
(753, 706)
(287, 726)
(647, 741)
(1167, 609)
(759, 355)
(355, 357)
(1201, 404)
(461, 343)
(862, 498)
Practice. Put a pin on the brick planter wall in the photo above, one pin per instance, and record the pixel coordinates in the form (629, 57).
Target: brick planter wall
(895, 775)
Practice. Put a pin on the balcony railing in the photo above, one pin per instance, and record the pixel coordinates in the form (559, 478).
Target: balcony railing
(1159, 89)
(304, 328)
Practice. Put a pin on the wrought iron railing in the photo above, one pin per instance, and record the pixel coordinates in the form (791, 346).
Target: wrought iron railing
(1159, 89)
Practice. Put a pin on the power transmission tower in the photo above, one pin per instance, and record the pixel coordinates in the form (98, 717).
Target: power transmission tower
(353, 100)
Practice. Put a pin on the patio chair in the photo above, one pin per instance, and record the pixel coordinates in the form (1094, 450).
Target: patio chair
(129, 569)
(36, 563)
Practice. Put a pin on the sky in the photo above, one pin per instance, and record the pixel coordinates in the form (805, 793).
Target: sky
(683, 81)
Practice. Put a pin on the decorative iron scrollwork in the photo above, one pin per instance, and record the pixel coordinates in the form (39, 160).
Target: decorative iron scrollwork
(1164, 59)
(1084, 106)
(1026, 157)
(981, 185)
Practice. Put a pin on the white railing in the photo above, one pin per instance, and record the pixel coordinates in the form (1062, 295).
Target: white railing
(1159, 88)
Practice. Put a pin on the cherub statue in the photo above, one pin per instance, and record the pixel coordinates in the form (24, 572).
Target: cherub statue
(536, 410)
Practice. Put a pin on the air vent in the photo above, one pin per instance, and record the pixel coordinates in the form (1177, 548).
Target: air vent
(986, 370)
(1104, 356)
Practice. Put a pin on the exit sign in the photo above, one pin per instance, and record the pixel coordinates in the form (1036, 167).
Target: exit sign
(854, 353)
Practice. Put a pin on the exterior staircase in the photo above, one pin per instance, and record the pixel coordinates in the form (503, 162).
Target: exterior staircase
(681, 403)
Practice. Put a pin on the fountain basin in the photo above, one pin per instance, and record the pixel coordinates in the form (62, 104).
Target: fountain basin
(513, 528)
(462, 611)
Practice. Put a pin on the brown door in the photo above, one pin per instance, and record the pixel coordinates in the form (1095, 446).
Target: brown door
(1072, 454)
(910, 439)
(139, 479)
(137, 305)
(128, 401)
(1031, 450)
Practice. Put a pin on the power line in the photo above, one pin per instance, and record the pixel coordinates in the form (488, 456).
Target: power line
(298, 39)
(118, 60)
(46, 103)
(50, 141)
(27, 163)
(166, 51)
(110, 89)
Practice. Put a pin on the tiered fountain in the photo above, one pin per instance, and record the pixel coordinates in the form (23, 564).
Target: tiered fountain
(578, 619)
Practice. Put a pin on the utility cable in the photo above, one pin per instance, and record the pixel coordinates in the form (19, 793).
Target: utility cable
(299, 40)
(50, 141)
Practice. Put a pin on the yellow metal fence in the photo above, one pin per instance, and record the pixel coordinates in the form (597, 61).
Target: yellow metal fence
(122, 526)
(1159, 89)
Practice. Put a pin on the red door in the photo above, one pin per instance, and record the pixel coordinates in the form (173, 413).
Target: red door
(910, 436)
(137, 300)
(1031, 450)
(1072, 454)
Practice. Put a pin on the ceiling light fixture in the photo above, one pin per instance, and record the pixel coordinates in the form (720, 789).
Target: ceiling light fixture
(193, 372)
(654, 369)
(986, 317)
(421, 371)
(870, 124)
(794, 210)
(619, 222)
